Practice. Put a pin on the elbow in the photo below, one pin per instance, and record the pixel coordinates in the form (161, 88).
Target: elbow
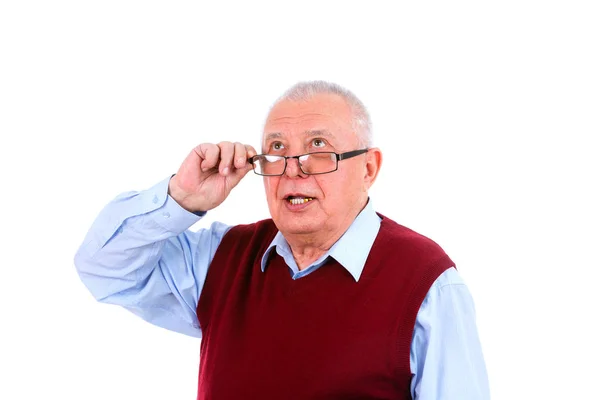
(82, 267)
(109, 280)
(91, 274)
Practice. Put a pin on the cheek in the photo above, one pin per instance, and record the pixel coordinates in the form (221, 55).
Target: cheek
(271, 189)
(328, 189)
(341, 190)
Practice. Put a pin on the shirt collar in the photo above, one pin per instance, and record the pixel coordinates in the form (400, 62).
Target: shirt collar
(351, 250)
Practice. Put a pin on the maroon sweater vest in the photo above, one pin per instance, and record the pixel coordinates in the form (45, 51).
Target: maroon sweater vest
(323, 336)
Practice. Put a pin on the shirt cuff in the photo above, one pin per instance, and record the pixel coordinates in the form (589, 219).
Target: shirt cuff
(166, 212)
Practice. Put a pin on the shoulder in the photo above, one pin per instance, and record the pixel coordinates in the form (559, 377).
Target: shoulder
(255, 236)
(260, 227)
(399, 238)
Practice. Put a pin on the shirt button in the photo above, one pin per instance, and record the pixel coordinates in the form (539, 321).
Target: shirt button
(155, 199)
(166, 214)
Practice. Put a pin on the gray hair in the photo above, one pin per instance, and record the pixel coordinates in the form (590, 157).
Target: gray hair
(361, 121)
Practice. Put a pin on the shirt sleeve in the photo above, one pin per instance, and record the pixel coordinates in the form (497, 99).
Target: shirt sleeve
(140, 254)
(446, 356)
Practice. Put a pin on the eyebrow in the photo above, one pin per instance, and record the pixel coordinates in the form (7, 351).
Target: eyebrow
(310, 133)
(274, 135)
(318, 132)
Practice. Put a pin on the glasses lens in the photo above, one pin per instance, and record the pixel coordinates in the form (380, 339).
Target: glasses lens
(269, 165)
(318, 163)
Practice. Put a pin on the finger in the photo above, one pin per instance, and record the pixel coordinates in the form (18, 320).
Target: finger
(227, 152)
(209, 153)
(240, 155)
(250, 152)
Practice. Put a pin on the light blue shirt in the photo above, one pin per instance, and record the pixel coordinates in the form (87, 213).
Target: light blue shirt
(140, 254)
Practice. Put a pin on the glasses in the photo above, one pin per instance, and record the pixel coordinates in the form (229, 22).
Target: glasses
(317, 163)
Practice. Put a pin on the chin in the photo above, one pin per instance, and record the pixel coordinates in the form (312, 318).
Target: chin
(298, 227)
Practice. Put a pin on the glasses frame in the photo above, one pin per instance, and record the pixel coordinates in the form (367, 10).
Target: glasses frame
(338, 157)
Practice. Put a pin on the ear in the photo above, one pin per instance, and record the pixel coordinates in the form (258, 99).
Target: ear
(373, 166)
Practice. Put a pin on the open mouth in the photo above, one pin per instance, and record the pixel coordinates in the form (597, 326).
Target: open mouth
(297, 200)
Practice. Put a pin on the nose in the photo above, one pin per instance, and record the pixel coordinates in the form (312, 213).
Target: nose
(293, 168)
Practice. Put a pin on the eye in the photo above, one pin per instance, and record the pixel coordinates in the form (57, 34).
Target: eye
(277, 146)
(318, 142)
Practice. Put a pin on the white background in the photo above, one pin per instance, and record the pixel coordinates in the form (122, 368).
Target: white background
(487, 115)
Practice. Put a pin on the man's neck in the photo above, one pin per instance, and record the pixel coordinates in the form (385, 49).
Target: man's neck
(307, 252)
(308, 248)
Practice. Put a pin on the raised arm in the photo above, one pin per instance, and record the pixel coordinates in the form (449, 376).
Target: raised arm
(139, 252)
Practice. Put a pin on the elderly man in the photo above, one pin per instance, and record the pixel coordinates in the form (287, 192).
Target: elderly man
(326, 300)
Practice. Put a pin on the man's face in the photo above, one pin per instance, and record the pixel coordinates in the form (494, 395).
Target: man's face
(321, 124)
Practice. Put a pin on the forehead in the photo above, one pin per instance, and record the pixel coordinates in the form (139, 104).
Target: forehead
(322, 113)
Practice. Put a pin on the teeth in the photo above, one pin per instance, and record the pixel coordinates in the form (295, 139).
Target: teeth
(297, 201)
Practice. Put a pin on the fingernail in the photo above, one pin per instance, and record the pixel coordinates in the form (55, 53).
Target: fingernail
(225, 170)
